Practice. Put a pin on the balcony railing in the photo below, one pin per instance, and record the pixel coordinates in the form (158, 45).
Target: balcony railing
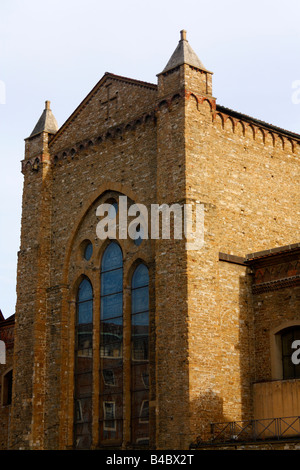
(254, 430)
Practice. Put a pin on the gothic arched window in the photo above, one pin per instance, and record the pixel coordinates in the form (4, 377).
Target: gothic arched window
(111, 344)
(140, 355)
(84, 365)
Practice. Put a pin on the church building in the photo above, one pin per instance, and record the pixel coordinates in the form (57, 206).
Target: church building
(149, 341)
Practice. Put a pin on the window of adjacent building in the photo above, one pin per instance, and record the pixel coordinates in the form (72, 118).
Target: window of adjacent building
(140, 354)
(109, 422)
(109, 377)
(290, 369)
(144, 412)
(83, 365)
(111, 343)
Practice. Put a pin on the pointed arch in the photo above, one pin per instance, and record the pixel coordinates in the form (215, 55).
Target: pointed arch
(229, 124)
(175, 99)
(106, 187)
(193, 100)
(260, 135)
(219, 120)
(239, 128)
(250, 131)
(280, 142)
(269, 138)
(207, 104)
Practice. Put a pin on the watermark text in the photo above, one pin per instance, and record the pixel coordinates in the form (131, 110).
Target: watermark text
(175, 221)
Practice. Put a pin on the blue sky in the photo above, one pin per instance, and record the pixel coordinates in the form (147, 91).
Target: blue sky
(58, 50)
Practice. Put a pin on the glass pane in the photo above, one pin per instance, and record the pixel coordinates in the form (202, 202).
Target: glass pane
(140, 416)
(113, 210)
(144, 411)
(112, 375)
(297, 334)
(110, 348)
(83, 363)
(140, 348)
(140, 299)
(112, 282)
(109, 377)
(114, 327)
(140, 277)
(83, 385)
(287, 339)
(84, 345)
(140, 376)
(112, 406)
(111, 306)
(141, 319)
(138, 241)
(88, 251)
(83, 410)
(112, 257)
(85, 312)
(84, 441)
(288, 368)
(85, 291)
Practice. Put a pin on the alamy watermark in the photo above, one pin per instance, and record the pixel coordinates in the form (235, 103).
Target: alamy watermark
(296, 354)
(2, 353)
(176, 221)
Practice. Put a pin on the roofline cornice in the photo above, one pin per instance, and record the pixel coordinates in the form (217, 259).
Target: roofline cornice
(257, 122)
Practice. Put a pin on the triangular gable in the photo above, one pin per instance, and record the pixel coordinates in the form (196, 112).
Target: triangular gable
(113, 100)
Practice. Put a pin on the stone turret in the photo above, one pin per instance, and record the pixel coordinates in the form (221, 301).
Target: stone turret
(183, 54)
(33, 282)
(37, 142)
(185, 70)
(46, 123)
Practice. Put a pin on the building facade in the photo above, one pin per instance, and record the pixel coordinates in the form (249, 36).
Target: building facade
(124, 343)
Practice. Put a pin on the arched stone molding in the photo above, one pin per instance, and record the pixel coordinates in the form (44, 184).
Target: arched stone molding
(115, 187)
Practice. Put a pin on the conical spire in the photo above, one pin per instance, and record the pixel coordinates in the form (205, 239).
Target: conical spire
(183, 54)
(46, 123)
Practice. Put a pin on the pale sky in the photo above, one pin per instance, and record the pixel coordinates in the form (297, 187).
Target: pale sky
(58, 50)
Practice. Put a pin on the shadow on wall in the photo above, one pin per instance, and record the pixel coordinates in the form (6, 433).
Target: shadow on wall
(208, 408)
(246, 347)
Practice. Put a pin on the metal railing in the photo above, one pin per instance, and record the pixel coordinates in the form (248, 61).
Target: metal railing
(256, 430)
